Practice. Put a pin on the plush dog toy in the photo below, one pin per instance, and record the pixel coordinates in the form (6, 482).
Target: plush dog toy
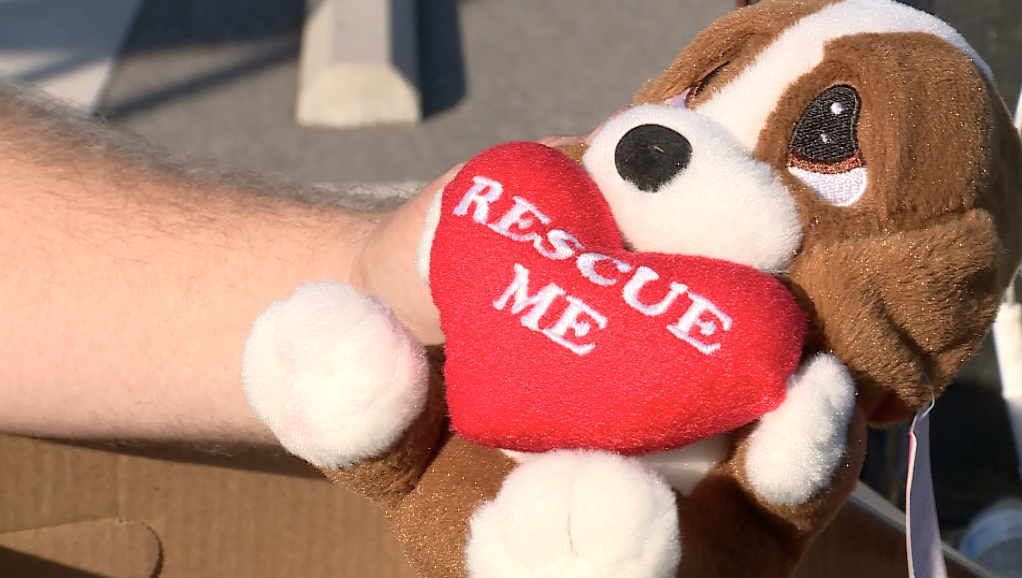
(661, 361)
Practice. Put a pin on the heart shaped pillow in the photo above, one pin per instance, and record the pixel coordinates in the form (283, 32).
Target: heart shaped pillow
(558, 336)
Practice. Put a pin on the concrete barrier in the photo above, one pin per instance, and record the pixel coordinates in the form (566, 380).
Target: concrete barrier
(359, 64)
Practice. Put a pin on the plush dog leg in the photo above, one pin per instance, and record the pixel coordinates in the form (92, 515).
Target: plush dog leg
(790, 473)
(794, 449)
(575, 514)
(333, 374)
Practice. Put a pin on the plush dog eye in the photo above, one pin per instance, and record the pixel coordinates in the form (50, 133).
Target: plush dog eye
(826, 132)
(824, 149)
(700, 87)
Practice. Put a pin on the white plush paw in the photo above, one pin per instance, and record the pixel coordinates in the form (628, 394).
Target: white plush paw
(333, 374)
(575, 514)
(794, 449)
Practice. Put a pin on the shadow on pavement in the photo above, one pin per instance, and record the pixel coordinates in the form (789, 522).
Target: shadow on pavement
(275, 27)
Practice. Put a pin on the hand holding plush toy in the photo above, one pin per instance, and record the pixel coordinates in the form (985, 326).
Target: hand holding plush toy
(661, 361)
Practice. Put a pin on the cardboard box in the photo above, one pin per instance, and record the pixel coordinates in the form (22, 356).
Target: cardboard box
(179, 513)
(75, 511)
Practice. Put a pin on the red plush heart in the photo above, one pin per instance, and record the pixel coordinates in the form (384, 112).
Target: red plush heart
(559, 337)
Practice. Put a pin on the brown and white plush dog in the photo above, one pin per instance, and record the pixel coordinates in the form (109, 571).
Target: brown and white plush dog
(856, 149)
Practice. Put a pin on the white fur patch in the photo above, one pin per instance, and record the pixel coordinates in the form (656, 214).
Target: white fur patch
(684, 468)
(576, 514)
(333, 374)
(724, 204)
(795, 448)
(742, 106)
(838, 189)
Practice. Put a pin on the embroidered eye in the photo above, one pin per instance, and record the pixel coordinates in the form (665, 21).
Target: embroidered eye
(824, 149)
(693, 92)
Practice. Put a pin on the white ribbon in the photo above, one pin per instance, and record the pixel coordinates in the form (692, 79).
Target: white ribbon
(922, 535)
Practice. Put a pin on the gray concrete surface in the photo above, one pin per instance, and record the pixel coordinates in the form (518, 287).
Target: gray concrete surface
(217, 79)
(67, 47)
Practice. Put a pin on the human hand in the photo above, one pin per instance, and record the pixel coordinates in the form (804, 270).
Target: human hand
(384, 264)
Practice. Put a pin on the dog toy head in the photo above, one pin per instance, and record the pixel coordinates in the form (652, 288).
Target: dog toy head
(885, 129)
(855, 149)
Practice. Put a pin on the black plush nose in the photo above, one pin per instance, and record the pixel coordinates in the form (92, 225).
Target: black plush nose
(650, 155)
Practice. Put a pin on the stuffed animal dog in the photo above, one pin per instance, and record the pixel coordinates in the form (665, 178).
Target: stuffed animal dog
(856, 150)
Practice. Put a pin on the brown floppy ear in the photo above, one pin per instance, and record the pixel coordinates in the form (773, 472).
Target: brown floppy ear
(905, 310)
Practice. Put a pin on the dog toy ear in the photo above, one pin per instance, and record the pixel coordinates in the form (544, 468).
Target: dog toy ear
(882, 306)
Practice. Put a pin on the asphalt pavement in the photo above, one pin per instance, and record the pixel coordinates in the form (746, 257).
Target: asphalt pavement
(217, 79)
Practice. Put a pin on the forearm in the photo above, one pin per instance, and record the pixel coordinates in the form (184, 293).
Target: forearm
(127, 289)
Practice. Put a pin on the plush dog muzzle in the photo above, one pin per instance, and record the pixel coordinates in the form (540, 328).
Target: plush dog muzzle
(677, 183)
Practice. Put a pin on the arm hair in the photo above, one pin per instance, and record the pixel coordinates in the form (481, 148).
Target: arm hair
(129, 278)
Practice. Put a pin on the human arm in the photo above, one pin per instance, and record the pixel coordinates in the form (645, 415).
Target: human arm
(128, 284)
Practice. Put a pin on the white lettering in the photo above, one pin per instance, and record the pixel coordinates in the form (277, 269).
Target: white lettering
(519, 290)
(570, 320)
(644, 275)
(517, 217)
(586, 264)
(482, 200)
(560, 243)
(578, 318)
(694, 317)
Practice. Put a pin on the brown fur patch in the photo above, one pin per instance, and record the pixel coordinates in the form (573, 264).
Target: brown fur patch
(904, 284)
(723, 534)
(432, 523)
(429, 485)
(573, 151)
(727, 530)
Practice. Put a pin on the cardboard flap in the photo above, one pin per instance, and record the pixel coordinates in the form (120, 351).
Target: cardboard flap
(109, 548)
